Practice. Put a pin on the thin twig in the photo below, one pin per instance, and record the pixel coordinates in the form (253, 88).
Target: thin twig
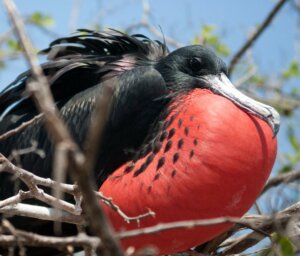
(145, 23)
(281, 219)
(60, 165)
(281, 102)
(35, 240)
(235, 59)
(242, 80)
(282, 179)
(22, 195)
(36, 192)
(8, 227)
(108, 201)
(39, 88)
(182, 225)
(33, 181)
(7, 166)
(20, 127)
(98, 121)
(265, 225)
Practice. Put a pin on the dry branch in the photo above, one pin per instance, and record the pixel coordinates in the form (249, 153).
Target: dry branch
(180, 225)
(41, 212)
(283, 178)
(276, 223)
(279, 101)
(32, 181)
(262, 224)
(35, 240)
(235, 59)
(145, 23)
(39, 89)
(21, 127)
(34, 191)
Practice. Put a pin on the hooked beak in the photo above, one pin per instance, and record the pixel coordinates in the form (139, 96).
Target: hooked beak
(220, 84)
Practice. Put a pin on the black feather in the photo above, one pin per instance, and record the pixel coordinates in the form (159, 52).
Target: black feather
(88, 57)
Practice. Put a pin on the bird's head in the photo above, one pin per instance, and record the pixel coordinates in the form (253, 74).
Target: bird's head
(196, 66)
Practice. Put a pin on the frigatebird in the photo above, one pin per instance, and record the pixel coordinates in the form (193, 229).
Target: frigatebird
(180, 139)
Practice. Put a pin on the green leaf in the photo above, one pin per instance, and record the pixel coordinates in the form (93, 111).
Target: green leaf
(266, 252)
(210, 38)
(295, 91)
(41, 19)
(2, 64)
(208, 29)
(286, 168)
(196, 40)
(258, 80)
(293, 139)
(14, 45)
(286, 246)
(292, 71)
(223, 49)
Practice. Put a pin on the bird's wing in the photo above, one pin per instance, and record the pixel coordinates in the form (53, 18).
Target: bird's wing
(135, 104)
(82, 61)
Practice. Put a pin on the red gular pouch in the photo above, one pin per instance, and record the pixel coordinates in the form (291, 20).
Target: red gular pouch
(213, 162)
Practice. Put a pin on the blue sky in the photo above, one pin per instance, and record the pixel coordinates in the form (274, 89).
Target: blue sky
(234, 19)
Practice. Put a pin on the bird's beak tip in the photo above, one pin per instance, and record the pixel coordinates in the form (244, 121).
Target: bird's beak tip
(275, 130)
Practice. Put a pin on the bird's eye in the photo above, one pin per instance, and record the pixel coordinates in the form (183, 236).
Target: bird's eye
(196, 64)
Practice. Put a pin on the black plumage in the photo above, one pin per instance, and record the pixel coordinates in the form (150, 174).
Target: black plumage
(76, 68)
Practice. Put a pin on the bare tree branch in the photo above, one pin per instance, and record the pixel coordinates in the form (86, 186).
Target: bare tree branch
(32, 181)
(282, 179)
(279, 101)
(35, 240)
(99, 119)
(20, 127)
(22, 195)
(277, 223)
(40, 87)
(235, 59)
(189, 224)
(41, 93)
(145, 23)
(262, 224)
(41, 212)
(35, 191)
(238, 83)
(116, 208)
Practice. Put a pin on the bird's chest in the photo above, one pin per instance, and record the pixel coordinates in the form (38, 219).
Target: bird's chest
(209, 159)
